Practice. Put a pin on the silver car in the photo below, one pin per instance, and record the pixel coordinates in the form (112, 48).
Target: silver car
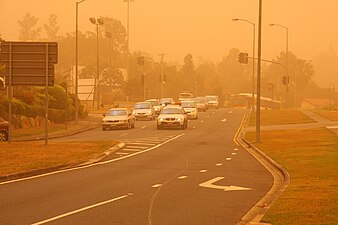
(144, 111)
(118, 118)
(172, 116)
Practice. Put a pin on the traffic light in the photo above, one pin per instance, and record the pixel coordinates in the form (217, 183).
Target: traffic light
(140, 60)
(243, 57)
(285, 80)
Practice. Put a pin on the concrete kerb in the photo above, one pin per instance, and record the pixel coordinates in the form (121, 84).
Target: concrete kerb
(281, 179)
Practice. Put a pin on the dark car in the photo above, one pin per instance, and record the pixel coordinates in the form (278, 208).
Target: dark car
(4, 127)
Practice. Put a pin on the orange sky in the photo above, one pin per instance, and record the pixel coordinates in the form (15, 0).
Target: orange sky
(200, 27)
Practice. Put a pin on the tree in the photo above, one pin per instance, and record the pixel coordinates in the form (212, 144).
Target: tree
(52, 28)
(187, 74)
(28, 32)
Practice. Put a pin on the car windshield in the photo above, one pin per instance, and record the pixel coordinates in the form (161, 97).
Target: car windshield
(188, 105)
(116, 113)
(172, 111)
(155, 103)
(142, 106)
(185, 95)
(199, 100)
(211, 99)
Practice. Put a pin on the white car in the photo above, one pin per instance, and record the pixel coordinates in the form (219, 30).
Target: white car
(190, 108)
(212, 101)
(144, 111)
(172, 116)
(201, 103)
(156, 105)
(118, 118)
(166, 101)
(185, 96)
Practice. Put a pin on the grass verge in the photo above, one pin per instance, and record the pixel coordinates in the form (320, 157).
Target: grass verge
(328, 114)
(17, 158)
(280, 117)
(311, 157)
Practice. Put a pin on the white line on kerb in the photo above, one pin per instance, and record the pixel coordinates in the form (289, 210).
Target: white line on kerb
(80, 210)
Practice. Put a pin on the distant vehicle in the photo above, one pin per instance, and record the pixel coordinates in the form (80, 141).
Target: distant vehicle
(156, 105)
(118, 118)
(190, 108)
(185, 96)
(144, 111)
(166, 101)
(172, 116)
(201, 103)
(212, 101)
(4, 128)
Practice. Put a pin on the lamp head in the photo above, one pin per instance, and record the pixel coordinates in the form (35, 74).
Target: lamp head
(100, 21)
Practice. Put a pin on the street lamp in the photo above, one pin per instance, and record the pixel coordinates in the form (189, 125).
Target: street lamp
(286, 52)
(97, 22)
(128, 4)
(253, 56)
(76, 62)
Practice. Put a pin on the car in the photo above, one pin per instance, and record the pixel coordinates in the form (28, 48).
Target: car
(201, 104)
(4, 129)
(212, 101)
(144, 111)
(166, 101)
(118, 118)
(185, 96)
(190, 108)
(156, 105)
(172, 116)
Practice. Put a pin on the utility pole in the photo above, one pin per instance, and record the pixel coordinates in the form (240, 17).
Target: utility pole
(258, 106)
(162, 75)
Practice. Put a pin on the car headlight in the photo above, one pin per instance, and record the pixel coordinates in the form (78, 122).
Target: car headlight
(179, 119)
(161, 119)
(149, 112)
(134, 112)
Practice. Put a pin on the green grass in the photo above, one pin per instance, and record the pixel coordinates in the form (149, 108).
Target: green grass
(311, 157)
(280, 117)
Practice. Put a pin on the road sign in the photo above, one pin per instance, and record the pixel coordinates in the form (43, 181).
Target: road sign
(26, 62)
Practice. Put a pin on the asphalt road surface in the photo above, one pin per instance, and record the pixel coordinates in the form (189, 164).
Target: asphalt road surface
(197, 176)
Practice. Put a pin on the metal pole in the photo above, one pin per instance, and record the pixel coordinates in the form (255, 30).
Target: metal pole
(97, 67)
(76, 66)
(10, 95)
(46, 100)
(253, 65)
(258, 107)
(128, 3)
(162, 74)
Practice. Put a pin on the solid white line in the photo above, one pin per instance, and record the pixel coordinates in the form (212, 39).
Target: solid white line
(94, 164)
(80, 210)
(182, 177)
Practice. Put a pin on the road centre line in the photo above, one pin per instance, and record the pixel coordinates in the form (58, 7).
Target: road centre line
(156, 185)
(224, 120)
(94, 164)
(228, 159)
(236, 149)
(81, 210)
(219, 164)
(233, 153)
(203, 171)
(182, 177)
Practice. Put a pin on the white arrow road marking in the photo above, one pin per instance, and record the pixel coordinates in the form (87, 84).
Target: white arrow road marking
(224, 120)
(81, 210)
(209, 184)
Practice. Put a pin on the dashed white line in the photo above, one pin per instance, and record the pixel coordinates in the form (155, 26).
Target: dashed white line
(81, 210)
(219, 164)
(234, 153)
(228, 159)
(203, 171)
(156, 185)
(182, 177)
(224, 120)
(202, 121)
(143, 127)
(236, 149)
(123, 134)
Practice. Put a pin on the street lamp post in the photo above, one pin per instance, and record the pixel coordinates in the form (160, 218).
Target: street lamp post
(76, 61)
(128, 8)
(253, 57)
(259, 56)
(97, 22)
(286, 53)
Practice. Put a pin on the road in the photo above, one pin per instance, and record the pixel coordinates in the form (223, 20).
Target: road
(197, 176)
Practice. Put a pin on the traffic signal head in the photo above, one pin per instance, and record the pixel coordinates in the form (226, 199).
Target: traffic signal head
(140, 60)
(285, 80)
(243, 57)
